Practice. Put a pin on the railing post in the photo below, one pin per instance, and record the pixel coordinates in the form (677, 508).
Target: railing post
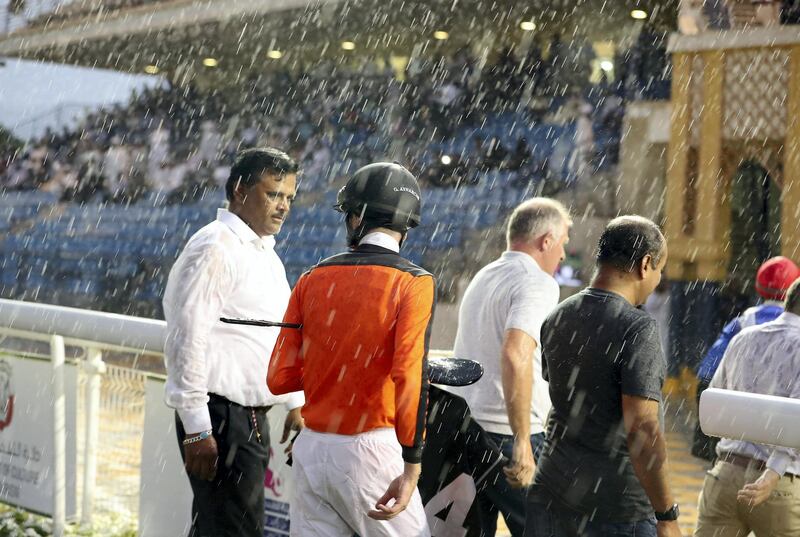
(94, 368)
(59, 438)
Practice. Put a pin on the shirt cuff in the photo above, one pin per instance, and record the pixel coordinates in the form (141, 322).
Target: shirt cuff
(412, 455)
(195, 420)
(778, 462)
(295, 400)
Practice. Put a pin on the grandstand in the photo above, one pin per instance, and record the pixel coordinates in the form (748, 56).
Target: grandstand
(105, 238)
(116, 257)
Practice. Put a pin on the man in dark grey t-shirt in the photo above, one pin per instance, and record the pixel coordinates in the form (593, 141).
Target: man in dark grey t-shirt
(603, 469)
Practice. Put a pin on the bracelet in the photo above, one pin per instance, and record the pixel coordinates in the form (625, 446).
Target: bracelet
(201, 436)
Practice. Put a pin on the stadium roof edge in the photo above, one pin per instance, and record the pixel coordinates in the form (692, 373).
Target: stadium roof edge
(142, 19)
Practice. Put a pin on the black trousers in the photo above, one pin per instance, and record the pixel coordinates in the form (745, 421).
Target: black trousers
(232, 505)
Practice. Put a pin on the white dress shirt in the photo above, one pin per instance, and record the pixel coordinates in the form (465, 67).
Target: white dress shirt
(225, 270)
(764, 359)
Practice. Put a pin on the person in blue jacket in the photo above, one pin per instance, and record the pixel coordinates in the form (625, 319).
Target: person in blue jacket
(773, 278)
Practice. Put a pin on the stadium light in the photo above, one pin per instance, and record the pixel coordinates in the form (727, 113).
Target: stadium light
(275, 54)
(151, 70)
(446, 159)
(606, 65)
(348, 45)
(441, 35)
(210, 62)
(639, 14)
(528, 26)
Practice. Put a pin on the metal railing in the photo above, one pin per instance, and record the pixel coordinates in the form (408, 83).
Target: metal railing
(111, 398)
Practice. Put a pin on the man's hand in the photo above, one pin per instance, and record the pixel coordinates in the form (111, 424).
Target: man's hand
(400, 490)
(294, 422)
(519, 473)
(754, 494)
(201, 458)
(668, 528)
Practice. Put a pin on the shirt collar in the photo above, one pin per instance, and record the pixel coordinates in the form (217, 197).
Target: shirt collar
(378, 238)
(243, 231)
(789, 318)
(522, 256)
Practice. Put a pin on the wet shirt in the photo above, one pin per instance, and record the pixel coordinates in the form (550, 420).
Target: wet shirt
(225, 270)
(512, 292)
(596, 347)
(361, 355)
(764, 359)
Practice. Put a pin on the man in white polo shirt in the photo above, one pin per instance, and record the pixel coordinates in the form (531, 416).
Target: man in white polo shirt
(499, 322)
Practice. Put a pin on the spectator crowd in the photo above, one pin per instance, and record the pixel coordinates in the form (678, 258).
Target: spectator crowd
(177, 140)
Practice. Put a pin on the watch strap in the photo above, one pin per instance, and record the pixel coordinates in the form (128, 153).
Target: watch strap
(670, 514)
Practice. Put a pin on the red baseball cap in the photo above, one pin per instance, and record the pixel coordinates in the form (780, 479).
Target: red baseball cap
(775, 276)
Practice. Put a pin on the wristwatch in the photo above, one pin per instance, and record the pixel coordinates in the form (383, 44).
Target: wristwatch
(670, 514)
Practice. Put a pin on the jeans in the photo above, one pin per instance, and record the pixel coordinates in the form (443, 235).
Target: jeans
(545, 521)
(500, 497)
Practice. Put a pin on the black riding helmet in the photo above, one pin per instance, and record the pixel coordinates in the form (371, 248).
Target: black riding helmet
(383, 194)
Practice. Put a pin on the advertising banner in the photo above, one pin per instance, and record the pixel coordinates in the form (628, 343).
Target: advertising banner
(27, 434)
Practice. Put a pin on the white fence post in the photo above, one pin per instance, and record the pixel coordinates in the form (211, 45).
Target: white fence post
(59, 438)
(94, 368)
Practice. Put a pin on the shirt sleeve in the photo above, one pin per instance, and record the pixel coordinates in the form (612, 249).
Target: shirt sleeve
(410, 365)
(285, 374)
(641, 363)
(531, 303)
(545, 339)
(781, 457)
(295, 400)
(196, 290)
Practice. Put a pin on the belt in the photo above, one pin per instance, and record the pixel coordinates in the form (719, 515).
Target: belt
(251, 410)
(743, 461)
(215, 398)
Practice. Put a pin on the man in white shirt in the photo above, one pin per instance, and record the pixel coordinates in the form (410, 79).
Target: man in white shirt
(754, 487)
(216, 372)
(499, 325)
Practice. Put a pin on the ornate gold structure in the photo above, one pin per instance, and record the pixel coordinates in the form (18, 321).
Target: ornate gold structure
(735, 96)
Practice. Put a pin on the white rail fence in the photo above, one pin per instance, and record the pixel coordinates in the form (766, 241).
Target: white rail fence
(110, 425)
(98, 419)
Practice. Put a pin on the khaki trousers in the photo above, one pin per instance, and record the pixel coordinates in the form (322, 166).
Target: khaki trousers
(720, 515)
